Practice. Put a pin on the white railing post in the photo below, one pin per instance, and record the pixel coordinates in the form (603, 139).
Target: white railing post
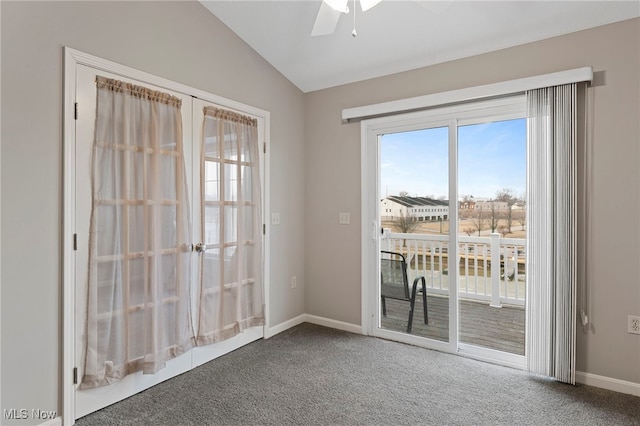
(385, 241)
(495, 270)
(485, 283)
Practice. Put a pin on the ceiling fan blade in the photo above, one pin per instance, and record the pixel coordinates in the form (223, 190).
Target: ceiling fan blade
(368, 4)
(326, 20)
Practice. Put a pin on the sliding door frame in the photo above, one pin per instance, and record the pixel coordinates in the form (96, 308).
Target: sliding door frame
(452, 116)
(371, 130)
(72, 59)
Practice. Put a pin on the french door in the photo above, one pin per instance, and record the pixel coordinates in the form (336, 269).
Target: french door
(417, 169)
(200, 178)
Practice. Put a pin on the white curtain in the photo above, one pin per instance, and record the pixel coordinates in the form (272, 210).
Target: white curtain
(231, 296)
(552, 248)
(139, 262)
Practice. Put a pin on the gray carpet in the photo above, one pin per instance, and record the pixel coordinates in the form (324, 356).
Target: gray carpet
(311, 375)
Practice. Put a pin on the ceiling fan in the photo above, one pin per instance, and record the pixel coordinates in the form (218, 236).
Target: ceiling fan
(330, 11)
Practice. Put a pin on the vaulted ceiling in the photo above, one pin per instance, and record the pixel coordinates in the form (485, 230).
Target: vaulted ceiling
(397, 36)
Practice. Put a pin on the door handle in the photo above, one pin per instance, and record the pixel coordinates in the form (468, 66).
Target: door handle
(201, 247)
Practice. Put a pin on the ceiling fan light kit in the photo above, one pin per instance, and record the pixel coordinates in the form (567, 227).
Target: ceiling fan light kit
(338, 5)
(330, 11)
(368, 4)
(342, 6)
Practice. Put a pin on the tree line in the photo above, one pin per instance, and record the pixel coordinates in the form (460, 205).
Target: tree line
(483, 219)
(492, 218)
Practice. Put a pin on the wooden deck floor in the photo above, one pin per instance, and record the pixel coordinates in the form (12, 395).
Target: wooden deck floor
(481, 325)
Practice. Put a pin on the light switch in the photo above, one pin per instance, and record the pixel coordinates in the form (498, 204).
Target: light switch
(275, 218)
(345, 218)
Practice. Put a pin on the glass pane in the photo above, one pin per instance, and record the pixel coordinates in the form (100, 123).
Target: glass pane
(136, 229)
(108, 229)
(136, 282)
(212, 181)
(230, 142)
(211, 265)
(168, 177)
(212, 225)
(248, 151)
(169, 263)
(109, 277)
(247, 220)
(168, 226)
(136, 336)
(230, 224)
(231, 182)
(492, 234)
(138, 135)
(247, 183)
(414, 209)
(211, 146)
(136, 173)
(230, 265)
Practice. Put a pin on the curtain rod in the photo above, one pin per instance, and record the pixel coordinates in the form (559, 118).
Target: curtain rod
(521, 85)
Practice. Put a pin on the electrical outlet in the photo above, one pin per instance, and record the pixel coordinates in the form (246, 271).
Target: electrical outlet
(633, 324)
(294, 282)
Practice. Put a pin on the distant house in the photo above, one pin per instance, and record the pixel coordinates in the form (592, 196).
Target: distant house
(490, 205)
(421, 209)
(467, 205)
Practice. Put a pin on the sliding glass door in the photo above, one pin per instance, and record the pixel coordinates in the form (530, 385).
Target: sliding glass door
(414, 178)
(445, 188)
(492, 235)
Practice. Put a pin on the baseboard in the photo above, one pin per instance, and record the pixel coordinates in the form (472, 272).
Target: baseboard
(608, 383)
(589, 379)
(283, 326)
(339, 325)
(312, 319)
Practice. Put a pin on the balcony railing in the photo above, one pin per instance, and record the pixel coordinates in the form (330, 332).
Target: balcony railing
(489, 268)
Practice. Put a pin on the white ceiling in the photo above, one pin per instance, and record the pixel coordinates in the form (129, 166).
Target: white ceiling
(398, 36)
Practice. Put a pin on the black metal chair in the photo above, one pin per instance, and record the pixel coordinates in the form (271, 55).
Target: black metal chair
(395, 285)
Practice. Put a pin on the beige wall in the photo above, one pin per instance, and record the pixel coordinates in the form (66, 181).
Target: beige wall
(333, 180)
(315, 167)
(179, 41)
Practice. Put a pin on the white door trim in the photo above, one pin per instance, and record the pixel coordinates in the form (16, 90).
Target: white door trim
(72, 59)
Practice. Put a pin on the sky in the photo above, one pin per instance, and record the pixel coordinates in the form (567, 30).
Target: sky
(491, 156)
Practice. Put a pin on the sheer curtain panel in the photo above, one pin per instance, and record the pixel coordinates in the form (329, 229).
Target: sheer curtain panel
(552, 247)
(231, 295)
(139, 253)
